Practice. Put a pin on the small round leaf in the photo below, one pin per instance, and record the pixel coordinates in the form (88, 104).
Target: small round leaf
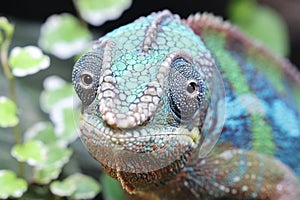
(57, 156)
(8, 113)
(27, 60)
(31, 152)
(46, 175)
(47, 160)
(56, 91)
(59, 100)
(86, 187)
(96, 12)
(66, 121)
(42, 131)
(11, 186)
(76, 186)
(62, 188)
(64, 36)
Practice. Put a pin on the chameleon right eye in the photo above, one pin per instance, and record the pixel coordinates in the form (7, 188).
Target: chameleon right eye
(192, 87)
(196, 91)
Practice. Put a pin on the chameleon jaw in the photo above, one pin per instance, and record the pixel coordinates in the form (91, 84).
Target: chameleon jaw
(138, 151)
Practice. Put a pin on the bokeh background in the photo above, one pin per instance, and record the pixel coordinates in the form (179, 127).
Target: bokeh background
(36, 11)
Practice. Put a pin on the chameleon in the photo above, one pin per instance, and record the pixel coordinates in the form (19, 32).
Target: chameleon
(190, 109)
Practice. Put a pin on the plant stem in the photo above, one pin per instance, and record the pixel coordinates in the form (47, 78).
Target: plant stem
(4, 59)
(11, 80)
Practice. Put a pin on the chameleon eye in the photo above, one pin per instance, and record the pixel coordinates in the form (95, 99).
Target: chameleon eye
(184, 84)
(196, 98)
(192, 87)
(86, 79)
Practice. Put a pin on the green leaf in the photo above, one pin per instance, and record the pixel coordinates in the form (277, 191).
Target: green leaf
(42, 131)
(59, 100)
(96, 12)
(66, 123)
(63, 189)
(47, 160)
(8, 113)
(112, 190)
(78, 186)
(255, 20)
(31, 152)
(57, 156)
(240, 11)
(46, 175)
(86, 187)
(7, 28)
(11, 186)
(56, 93)
(64, 36)
(27, 60)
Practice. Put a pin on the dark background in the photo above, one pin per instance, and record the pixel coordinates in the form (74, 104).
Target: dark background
(39, 10)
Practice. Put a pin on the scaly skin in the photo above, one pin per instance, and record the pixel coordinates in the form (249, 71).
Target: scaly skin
(191, 109)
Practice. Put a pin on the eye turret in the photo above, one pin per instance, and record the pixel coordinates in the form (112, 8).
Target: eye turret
(196, 98)
(85, 77)
(187, 92)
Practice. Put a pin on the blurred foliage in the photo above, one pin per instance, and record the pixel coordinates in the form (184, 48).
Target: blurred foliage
(262, 23)
(64, 36)
(8, 112)
(76, 186)
(27, 60)
(96, 13)
(37, 158)
(43, 151)
(11, 186)
(112, 190)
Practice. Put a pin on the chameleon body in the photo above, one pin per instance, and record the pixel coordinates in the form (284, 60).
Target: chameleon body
(191, 109)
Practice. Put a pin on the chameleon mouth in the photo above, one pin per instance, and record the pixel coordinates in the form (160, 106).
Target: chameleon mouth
(140, 150)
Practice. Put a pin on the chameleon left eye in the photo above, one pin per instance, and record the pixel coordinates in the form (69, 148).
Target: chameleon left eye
(192, 87)
(196, 97)
(184, 91)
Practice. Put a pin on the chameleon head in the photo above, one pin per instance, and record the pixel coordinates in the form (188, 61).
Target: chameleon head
(150, 96)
